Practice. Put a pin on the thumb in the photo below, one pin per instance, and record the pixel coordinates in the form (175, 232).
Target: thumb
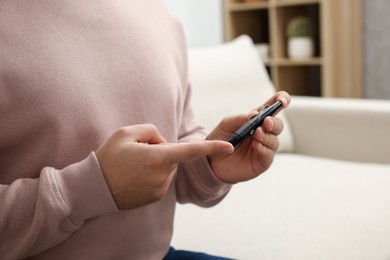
(181, 152)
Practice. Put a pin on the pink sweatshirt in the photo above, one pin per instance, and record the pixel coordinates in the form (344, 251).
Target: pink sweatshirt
(71, 73)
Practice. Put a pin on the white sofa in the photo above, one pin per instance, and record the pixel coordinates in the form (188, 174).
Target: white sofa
(327, 194)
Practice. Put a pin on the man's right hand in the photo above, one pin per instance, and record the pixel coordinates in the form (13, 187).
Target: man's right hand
(139, 165)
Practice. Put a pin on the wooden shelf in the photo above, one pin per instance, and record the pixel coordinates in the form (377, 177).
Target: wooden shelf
(237, 7)
(302, 62)
(336, 68)
(282, 3)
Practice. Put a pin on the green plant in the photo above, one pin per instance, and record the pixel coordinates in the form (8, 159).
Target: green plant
(300, 26)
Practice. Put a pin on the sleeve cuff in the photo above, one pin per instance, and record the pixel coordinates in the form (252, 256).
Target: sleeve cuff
(212, 179)
(207, 188)
(84, 190)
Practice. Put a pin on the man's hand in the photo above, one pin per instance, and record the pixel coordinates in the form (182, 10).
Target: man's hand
(254, 155)
(139, 164)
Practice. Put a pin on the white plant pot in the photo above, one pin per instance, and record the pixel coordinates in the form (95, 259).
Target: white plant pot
(300, 47)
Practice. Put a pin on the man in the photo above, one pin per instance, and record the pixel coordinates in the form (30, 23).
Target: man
(98, 140)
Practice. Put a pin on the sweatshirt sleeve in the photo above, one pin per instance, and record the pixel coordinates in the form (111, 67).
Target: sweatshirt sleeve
(37, 214)
(196, 182)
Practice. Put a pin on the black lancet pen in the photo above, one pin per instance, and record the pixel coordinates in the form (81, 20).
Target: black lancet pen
(250, 127)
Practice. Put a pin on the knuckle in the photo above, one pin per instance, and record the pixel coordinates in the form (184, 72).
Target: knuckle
(260, 136)
(271, 141)
(162, 184)
(121, 132)
(159, 192)
(279, 125)
(151, 127)
(276, 145)
(269, 153)
(157, 161)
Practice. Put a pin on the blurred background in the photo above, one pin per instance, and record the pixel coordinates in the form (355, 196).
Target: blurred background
(345, 54)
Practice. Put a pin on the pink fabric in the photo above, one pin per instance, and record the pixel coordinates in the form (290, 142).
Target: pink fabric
(71, 73)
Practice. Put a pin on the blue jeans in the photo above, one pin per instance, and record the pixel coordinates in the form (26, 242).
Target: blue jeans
(174, 254)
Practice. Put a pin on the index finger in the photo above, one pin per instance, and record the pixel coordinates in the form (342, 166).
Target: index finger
(181, 152)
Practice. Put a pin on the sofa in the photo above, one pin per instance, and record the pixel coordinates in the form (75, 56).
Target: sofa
(327, 193)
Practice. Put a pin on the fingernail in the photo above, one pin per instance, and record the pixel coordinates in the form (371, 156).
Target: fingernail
(227, 150)
(284, 101)
(272, 123)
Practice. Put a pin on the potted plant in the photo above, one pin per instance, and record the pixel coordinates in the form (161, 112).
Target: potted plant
(300, 38)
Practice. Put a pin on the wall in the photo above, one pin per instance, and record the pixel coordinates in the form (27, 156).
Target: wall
(202, 20)
(377, 48)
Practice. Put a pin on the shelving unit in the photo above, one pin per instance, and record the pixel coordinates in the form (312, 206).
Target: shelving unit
(336, 68)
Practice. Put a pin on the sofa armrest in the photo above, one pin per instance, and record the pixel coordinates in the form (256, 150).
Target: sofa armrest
(345, 129)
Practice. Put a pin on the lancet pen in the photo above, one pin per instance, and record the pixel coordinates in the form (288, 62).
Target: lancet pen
(250, 127)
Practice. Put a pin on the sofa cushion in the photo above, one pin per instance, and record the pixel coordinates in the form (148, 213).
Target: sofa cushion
(230, 79)
(302, 208)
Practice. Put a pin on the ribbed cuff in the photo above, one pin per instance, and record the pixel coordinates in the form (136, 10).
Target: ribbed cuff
(84, 190)
(212, 178)
(210, 189)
